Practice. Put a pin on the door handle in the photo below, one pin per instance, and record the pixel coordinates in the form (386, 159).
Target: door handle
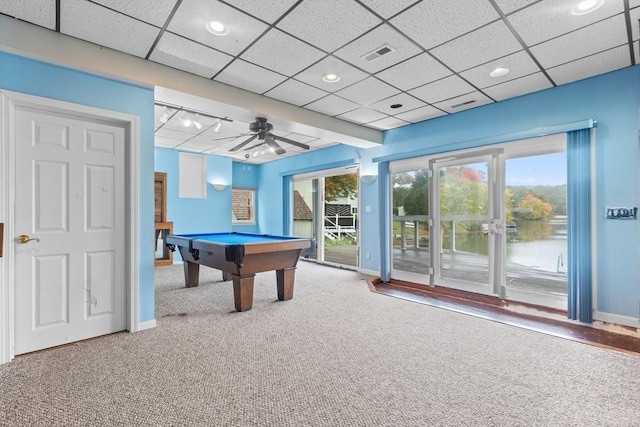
(23, 238)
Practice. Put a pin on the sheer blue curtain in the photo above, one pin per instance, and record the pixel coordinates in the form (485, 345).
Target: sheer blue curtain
(579, 292)
(385, 211)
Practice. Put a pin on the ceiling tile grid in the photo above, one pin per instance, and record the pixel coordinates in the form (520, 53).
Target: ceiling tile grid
(436, 54)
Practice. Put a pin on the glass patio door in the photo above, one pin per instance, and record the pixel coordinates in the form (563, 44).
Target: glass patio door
(467, 223)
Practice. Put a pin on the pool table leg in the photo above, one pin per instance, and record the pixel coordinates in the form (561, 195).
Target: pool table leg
(285, 278)
(243, 291)
(191, 273)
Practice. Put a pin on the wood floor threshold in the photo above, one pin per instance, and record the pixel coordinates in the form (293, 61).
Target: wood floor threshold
(497, 310)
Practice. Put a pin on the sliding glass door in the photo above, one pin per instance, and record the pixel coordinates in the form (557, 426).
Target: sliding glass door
(489, 221)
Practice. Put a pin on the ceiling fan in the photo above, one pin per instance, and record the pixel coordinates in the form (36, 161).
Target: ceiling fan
(263, 134)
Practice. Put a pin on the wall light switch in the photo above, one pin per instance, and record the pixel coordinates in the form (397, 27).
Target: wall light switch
(368, 208)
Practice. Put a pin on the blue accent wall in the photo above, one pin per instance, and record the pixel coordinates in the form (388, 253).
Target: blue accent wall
(38, 78)
(210, 215)
(246, 175)
(613, 99)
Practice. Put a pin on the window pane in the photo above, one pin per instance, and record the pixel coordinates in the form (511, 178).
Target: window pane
(242, 205)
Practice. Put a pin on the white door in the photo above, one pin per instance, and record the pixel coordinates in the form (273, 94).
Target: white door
(70, 199)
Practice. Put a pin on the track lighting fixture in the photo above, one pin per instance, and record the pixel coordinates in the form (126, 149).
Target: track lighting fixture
(165, 115)
(186, 122)
(188, 117)
(217, 126)
(196, 122)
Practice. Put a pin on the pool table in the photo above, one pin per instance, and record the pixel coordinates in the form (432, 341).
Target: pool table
(240, 256)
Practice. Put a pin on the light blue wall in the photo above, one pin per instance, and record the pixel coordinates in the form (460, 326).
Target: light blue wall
(209, 215)
(33, 77)
(246, 175)
(612, 99)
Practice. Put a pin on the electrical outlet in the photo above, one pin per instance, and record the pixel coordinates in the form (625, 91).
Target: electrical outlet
(367, 255)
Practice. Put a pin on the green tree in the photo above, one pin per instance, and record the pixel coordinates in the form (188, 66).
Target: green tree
(340, 186)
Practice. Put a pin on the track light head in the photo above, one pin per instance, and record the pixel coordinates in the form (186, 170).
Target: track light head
(217, 126)
(165, 115)
(197, 123)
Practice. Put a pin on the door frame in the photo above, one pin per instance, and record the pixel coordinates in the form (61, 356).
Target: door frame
(9, 101)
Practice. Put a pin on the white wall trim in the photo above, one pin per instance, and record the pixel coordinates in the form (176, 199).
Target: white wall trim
(8, 102)
(149, 324)
(617, 319)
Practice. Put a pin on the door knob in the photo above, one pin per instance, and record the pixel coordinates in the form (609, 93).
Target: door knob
(23, 238)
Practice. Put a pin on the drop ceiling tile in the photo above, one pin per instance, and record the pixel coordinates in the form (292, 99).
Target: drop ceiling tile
(383, 36)
(164, 142)
(519, 64)
(275, 45)
(463, 102)
(635, 17)
(368, 91)
(328, 24)
(387, 123)
(592, 65)
(183, 54)
(446, 88)
(305, 139)
(417, 71)
(39, 12)
(487, 43)
(551, 18)
(420, 114)
(332, 105)
(175, 132)
(386, 8)
(97, 24)
(294, 92)
(586, 41)
(362, 115)
(517, 87)
(153, 12)
(268, 11)
(634, 3)
(437, 21)
(192, 16)
(250, 77)
(406, 101)
(331, 65)
(508, 6)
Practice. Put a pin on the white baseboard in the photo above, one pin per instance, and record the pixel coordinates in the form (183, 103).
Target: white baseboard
(149, 324)
(617, 319)
(369, 272)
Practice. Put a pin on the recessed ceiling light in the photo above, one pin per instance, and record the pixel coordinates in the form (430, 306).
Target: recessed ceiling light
(330, 78)
(586, 6)
(217, 28)
(499, 72)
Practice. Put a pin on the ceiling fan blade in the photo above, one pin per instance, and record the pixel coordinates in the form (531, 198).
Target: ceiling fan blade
(273, 145)
(242, 144)
(289, 141)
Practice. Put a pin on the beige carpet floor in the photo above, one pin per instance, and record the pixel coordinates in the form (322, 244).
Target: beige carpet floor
(335, 355)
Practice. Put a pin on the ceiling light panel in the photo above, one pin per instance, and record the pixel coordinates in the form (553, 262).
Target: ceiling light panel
(268, 11)
(420, 114)
(406, 101)
(178, 52)
(296, 93)
(102, 26)
(348, 74)
(518, 87)
(464, 102)
(368, 91)
(275, 45)
(39, 12)
(383, 36)
(192, 17)
(332, 105)
(437, 21)
(548, 19)
(487, 43)
(519, 64)
(153, 12)
(386, 8)
(601, 36)
(592, 65)
(442, 89)
(417, 71)
(363, 115)
(328, 24)
(250, 77)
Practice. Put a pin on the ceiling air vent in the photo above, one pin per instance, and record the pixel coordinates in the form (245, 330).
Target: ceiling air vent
(377, 53)
(464, 103)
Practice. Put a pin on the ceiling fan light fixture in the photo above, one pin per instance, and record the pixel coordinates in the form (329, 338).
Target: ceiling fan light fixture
(217, 28)
(499, 72)
(586, 6)
(330, 78)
